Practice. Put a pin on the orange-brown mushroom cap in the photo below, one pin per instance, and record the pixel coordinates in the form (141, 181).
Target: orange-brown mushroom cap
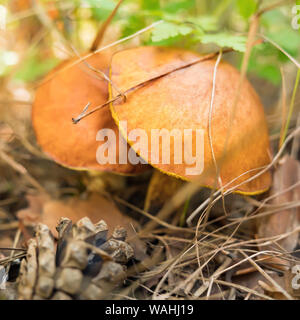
(181, 100)
(63, 95)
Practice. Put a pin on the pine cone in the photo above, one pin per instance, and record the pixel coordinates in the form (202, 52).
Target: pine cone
(84, 265)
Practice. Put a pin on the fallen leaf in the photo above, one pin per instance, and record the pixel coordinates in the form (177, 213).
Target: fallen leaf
(95, 207)
(33, 212)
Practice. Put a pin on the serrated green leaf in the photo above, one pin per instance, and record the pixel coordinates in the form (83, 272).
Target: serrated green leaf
(208, 23)
(224, 39)
(167, 30)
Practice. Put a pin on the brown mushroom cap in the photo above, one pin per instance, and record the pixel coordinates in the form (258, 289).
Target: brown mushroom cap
(181, 100)
(63, 95)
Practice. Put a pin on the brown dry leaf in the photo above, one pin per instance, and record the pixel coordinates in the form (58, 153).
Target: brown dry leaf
(284, 282)
(95, 207)
(286, 175)
(272, 291)
(249, 280)
(33, 213)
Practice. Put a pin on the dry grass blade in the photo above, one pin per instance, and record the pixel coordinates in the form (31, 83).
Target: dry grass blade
(142, 84)
(101, 32)
(23, 171)
(283, 108)
(297, 64)
(269, 278)
(217, 195)
(153, 25)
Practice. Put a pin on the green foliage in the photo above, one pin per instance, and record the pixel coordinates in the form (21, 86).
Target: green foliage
(207, 23)
(167, 30)
(265, 60)
(188, 24)
(191, 24)
(34, 68)
(178, 6)
(132, 24)
(224, 39)
(246, 7)
(101, 8)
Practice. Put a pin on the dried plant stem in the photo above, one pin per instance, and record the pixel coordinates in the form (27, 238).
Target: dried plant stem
(291, 108)
(273, 6)
(283, 108)
(243, 288)
(148, 215)
(16, 240)
(250, 43)
(296, 142)
(261, 171)
(142, 84)
(153, 25)
(12, 249)
(100, 34)
(297, 64)
(9, 226)
(19, 168)
(269, 278)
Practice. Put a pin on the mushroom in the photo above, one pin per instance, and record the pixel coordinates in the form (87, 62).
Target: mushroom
(63, 95)
(169, 89)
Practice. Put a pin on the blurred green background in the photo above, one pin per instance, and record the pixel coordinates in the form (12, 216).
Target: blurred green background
(45, 26)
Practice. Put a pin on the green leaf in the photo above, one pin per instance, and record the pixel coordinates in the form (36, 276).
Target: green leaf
(132, 24)
(206, 23)
(225, 39)
(269, 72)
(264, 63)
(151, 5)
(167, 30)
(177, 6)
(246, 7)
(288, 39)
(101, 8)
(34, 68)
(273, 19)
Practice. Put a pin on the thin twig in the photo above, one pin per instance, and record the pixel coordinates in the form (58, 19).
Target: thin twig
(153, 25)
(103, 28)
(142, 84)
